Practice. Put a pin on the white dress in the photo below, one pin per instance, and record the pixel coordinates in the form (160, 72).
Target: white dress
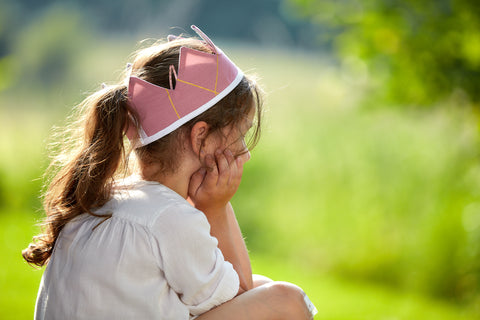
(153, 259)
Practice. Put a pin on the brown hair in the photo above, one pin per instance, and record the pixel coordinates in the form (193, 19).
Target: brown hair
(91, 159)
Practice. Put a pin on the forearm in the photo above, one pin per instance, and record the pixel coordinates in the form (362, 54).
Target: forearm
(240, 248)
(225, 228)
(210, 190)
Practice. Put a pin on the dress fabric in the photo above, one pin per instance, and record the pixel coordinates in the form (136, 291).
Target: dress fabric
(153, 259)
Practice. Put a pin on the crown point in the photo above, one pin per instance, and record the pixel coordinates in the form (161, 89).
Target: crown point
(204, 37)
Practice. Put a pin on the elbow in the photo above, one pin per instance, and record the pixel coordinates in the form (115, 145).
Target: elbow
(243, 287)
(240, 291)
(246, 284)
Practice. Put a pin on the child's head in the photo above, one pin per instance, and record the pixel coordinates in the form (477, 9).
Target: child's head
(89, 161)
(228, 120)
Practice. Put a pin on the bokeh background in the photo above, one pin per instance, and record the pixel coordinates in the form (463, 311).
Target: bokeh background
(365, 187)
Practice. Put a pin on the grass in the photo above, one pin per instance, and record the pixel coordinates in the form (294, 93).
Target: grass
(339, 299)
(373, 212)
(18, 281)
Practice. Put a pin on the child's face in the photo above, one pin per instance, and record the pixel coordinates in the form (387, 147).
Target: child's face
(235, 135)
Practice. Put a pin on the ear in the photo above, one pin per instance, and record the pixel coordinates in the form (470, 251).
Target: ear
(198, 134)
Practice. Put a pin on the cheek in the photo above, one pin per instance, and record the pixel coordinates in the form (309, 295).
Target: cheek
(211, 144)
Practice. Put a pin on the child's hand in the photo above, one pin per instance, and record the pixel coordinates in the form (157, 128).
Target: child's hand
(211, 188)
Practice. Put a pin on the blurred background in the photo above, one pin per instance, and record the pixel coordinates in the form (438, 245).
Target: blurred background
(365, 187)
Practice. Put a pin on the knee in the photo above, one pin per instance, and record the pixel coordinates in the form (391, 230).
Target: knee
(259, 280)
(289, 299)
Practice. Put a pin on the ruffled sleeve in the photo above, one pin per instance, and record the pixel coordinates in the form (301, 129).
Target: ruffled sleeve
(189, 256)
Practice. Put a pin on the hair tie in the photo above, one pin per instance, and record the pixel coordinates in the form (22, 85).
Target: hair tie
(171, 38)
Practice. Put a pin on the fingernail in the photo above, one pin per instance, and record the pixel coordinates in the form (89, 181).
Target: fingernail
(228, 152)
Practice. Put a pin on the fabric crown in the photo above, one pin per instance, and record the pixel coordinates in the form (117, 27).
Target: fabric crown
(203, 79)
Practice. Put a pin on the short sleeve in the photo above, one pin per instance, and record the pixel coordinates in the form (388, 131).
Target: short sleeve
(193, 265)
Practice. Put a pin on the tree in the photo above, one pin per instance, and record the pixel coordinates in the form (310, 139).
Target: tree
(422, 51)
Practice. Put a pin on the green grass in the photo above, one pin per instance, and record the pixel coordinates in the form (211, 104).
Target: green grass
(339, 299)
(375, 213)
(18, 281)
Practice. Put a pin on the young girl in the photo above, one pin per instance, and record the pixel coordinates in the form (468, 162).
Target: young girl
(163, 243)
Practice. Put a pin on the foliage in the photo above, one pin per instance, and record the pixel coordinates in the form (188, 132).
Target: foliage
(264, 21)
(418, 52)
(393, 195)
(46, 48)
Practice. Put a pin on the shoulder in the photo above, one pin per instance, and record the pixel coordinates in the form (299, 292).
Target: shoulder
(147, 203)
(181, 218)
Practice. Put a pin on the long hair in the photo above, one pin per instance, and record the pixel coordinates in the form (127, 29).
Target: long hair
(86, 167)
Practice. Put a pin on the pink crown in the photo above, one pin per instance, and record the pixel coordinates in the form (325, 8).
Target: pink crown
(203, 80)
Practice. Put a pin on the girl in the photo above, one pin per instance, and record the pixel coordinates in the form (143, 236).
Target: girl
(163, 243)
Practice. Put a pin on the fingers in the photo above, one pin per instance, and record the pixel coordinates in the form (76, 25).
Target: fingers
(222, 162)
(196, 180)
(229, 156)
(216, 182)
(243, 158)
(240, 160)
(210, 164)
(211, 176)
(223, 169)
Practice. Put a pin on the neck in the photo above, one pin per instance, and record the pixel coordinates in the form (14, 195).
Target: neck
(178, 181)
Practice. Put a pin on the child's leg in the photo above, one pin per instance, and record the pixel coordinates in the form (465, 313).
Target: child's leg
(270, 301)
(259, 280)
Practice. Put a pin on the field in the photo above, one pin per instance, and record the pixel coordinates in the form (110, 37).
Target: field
(374, 211)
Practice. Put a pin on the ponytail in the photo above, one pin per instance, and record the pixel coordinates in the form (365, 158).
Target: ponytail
(86, 174)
